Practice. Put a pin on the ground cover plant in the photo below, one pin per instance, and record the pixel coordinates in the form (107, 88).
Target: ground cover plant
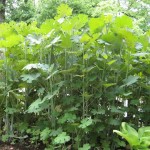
(137, 140)
(70, 82)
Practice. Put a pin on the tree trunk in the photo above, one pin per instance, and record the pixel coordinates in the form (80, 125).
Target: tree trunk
(2, 10)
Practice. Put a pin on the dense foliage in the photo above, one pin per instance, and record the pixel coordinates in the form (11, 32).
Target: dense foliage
(22, 10)
(138, 10)
(48, 8)
(71, 81)
(40, 10)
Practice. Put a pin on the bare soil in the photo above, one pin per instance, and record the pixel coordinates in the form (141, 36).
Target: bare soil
(19, 147)
(10, 147)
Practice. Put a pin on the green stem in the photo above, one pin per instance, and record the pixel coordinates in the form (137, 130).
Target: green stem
(52, 100)
(83, 89)
(6, 97)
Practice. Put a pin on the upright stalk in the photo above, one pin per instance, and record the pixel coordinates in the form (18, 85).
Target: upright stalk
(53, 120)
(83, 88)
(6, 97)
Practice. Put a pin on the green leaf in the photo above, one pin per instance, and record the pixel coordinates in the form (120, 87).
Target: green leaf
(29, 78)
(114, 122)
(144, 132)
(2, 85)
(109, 84)
(129, 133)
(67, 26)
(49, 96)
(62, 138)
(145, 142)
(95, 24)
(135, 102)
(52, 74)
(105, 145)
(40, 91)
(123, 21)
(111, 62)
(45, 134)
(105, 55)
(64, 10)
(43, 67)
(116, 110)
(88, 69)
(87, 96)
(85, 147)
(11, 110)
(55, 133)
(130, 80)
(85, 38)
(98, 112)
(85, 123)
(35, 106)
(120, 142)
(47, 27)
(127, 94)
(5, 138)
(68, 117)
(66, 41)
(13, 40)
(86, 56)
(79, 21)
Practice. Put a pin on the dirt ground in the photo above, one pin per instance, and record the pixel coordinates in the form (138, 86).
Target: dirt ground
(18, 147)
(9, 147)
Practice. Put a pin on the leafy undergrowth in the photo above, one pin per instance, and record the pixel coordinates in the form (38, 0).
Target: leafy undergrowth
(40, 146)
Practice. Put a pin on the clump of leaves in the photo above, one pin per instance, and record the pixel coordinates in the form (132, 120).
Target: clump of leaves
(137, 140)
(62, 138)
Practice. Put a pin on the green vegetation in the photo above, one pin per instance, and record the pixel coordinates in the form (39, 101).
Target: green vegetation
(137, 140)
(66, 81)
